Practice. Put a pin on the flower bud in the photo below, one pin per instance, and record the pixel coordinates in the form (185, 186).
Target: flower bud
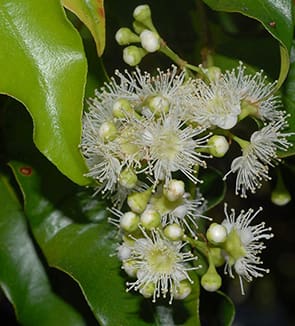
(158, 104)
(150, 41)
(132, 55)
(174, 190)
(138, 201)
(128, 178)
(173, 232)
(211, 280)
(142, 13)
(280, 195)
(216, 233)
(150, 219)
(129, 222)
(280, 198)
(183, 290)
(125, 36)
(107, 131)
(218, 145)
(121, 107)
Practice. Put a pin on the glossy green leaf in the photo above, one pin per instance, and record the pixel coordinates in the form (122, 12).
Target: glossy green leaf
(275, 16)
(91, 13)
(22, 276)
(43, 65)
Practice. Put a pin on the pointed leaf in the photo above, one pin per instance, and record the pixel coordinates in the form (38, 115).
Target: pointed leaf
(43, 65)
(275, 16)
(91, 13)
(22, 276)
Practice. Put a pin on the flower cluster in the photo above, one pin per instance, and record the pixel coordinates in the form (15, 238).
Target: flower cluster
(145, 138)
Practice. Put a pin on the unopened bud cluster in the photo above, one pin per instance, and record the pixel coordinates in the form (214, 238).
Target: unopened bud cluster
(144, 35)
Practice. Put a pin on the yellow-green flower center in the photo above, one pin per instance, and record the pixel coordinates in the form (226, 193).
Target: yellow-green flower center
(161, 259)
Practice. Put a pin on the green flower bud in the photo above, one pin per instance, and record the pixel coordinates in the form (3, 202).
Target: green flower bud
(107, 131)
(218, 145)
(129, 222)
(125, 36)
(173, 232)
(121, 107)
(150, 41)
(183, 290)
(150, 219)
(216, 233)
(128, 178)
(280, 195)
(132, 55)
(138, 201)
(174, 190)
(142, 13)
(211, 280)
(280, 198)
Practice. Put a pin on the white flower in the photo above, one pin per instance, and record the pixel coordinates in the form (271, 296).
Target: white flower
(258, 154)
(255, 90)
(161, 265)
(216, 104)
(171, 146)
(243, 244)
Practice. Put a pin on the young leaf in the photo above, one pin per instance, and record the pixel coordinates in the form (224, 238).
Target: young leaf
(275, 16)
(43, 65)
(22, 276)
(91, 13)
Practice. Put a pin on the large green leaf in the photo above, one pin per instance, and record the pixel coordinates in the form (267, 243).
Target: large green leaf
(91, 13)
(275, 16)
(43, 65)
(22, 276)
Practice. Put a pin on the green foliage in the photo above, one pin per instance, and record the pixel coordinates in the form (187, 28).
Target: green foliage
(22, 276)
